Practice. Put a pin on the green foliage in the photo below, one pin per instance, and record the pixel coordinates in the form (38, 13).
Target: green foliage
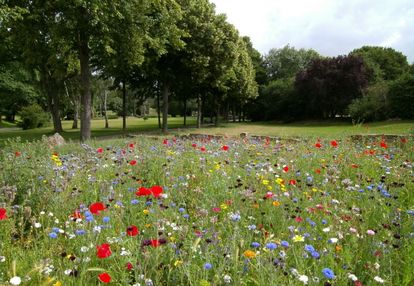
(372, 106)
(277, 101)
(386, 63)
(401, 97)
(288, 61)
(33, 116)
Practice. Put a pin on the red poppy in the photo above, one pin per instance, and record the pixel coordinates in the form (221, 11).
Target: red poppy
(194, 145)
(404, 140)
(334, 143)
(165, 142)
(3, 214)
(203, 149)
(104, 277)
(318, 171)
(143, 192)
(292, 182)
(131, 145)
(133, 162)
(77, 214)
(17, 153)
(384, 145)
(99, 150)
(156, 191)
(103, 250)
(132, 230)
(155, 242)
(318, 145)
(285, 169)
(298, 219)
(269, 195)
(96, 208)
(358, 283)
(129, 266)
(225, 148)
(354, 166)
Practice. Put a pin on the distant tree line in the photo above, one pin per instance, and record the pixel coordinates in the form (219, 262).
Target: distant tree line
(98, 58)
(370, 83)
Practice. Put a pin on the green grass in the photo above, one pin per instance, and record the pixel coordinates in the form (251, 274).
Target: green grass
(308, 129)
(134, 125)
(138, 125)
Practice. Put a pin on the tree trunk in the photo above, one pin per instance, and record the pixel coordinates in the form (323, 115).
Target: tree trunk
(243, 113)
(106, 110)
(185, 111)
(233, 112)
(216, 121)
(124, 110)
(199, 118)
(53, 102)
(239, 113)
(86, 100)
(166, 92)
(226, 113)
(158, 110)
(76, 116)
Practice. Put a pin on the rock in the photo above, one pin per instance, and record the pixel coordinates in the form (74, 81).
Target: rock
(244, 135)
(54, 140)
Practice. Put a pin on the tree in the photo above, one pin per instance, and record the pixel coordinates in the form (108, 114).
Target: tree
(287, 61)
(329, 85)
(386, 63)
(401, 97)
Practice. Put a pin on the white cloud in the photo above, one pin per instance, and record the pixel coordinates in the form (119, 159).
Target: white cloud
(332, 27)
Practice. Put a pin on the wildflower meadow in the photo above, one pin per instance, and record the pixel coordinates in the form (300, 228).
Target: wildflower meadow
(208, 211)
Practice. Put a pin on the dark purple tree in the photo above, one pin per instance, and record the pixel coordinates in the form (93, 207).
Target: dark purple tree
(329, 85)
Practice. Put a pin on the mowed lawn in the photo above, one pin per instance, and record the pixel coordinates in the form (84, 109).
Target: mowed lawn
(176, 127)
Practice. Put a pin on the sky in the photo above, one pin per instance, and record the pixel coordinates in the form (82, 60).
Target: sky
(331, 27)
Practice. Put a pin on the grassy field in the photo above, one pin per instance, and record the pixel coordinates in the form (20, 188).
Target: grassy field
(137, 211)
(138, 126)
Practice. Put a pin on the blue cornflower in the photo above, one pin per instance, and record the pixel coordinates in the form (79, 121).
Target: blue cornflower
(328, 273)
(148, 203)
(80, 232)
(284, 243)
(309, 248)
(315, 254)
(53, 235)
(89, 218)
(55, 229)
(255, 244)
(134, 201)
(271, 245)
(208, 266)
(106, 219)
(186, 216)
(181, 210)
(324, 221)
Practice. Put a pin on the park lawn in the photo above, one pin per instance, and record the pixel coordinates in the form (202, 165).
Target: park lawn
(139, 126)
(134, 125)
(307, 129)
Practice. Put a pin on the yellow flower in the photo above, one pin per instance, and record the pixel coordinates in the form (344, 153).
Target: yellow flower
(145, 211)
(224, 206)
(148, 225)
(178, 263)
(269, 188)
(338, 248)
(58, 283)
(249, 254)
(265, 182)
(276, 203)
(298, 238)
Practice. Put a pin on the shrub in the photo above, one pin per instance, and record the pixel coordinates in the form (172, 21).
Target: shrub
(401, 97)
(33, 116)
(372, 106)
